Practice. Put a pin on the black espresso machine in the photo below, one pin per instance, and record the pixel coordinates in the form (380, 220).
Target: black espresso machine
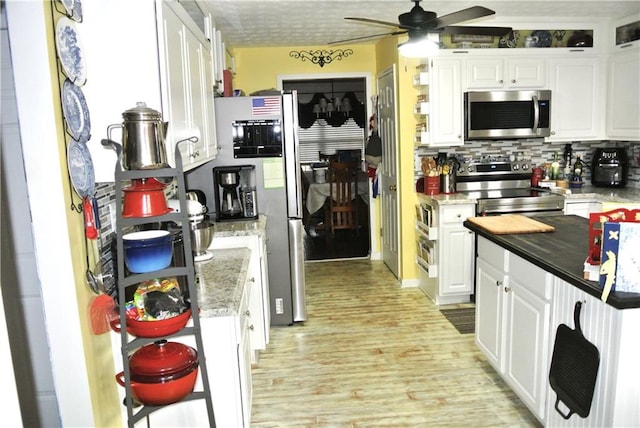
(234, 188)
(610, 167)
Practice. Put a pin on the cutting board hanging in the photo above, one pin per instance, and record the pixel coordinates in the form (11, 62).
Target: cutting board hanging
(510, 224)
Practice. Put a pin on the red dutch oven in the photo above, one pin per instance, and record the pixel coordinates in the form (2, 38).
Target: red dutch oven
(144, 198)
(162, 373)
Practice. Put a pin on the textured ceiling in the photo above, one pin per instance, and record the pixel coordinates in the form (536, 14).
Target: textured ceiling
(317, 22)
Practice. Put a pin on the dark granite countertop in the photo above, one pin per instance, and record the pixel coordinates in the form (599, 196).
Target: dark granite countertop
(562, 253)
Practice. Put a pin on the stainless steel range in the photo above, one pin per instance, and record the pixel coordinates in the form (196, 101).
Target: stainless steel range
(503, 186)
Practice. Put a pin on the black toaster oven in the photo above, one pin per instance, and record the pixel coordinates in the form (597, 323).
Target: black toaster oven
(610, 167)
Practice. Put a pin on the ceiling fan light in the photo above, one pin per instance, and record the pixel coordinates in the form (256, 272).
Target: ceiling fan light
(420, 48)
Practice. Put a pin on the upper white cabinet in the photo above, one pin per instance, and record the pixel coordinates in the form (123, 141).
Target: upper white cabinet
(188, 77)
(510, 73)
(624, 95)
(577, 98)
(157, 55)
(445, 103)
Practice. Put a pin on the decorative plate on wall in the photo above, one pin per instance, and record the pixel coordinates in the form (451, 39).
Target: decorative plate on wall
(70, 51)
(81, 169)
(73, 8)
(76, 112)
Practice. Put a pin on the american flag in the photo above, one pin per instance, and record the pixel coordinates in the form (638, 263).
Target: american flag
(265, 106)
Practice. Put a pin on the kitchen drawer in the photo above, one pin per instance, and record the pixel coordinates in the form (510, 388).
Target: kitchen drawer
(533, 278)
(493, 254)
(456, 213)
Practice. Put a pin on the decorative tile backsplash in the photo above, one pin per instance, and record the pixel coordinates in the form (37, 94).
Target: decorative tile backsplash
(538, 151)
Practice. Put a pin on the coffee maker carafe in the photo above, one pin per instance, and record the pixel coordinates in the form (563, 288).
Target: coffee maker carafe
(234, 188)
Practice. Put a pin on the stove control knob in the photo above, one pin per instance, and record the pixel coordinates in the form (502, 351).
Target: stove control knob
(525, 166)
(470, 168)
(516, 167)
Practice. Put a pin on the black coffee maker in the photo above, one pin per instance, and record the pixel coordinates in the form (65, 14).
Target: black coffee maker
(234, 189)
(610, 167)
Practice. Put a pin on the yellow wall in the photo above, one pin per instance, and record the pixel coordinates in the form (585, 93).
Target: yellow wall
(258, 68)
(386, 56)
(97, 348)
(408, 198)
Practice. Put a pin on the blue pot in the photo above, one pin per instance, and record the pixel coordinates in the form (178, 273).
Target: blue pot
(148, 250)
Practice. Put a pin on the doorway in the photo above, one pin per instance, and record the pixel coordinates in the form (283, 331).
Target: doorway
(333, 123)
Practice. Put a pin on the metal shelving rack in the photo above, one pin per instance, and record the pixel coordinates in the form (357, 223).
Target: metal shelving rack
(124, 281)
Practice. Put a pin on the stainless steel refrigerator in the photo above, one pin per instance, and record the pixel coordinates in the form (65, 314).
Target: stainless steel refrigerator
(263, 131)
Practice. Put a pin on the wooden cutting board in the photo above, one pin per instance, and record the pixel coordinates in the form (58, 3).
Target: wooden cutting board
(510, 224)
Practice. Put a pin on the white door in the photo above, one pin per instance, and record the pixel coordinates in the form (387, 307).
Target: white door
(387, 178)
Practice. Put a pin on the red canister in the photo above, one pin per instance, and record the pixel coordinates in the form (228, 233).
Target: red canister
(536, 176)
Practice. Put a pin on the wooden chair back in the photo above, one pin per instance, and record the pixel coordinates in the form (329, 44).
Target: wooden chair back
(343, 203)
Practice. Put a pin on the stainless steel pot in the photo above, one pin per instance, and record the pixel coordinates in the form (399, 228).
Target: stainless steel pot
(143, 138)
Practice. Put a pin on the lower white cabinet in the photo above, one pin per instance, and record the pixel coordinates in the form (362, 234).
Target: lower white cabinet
(581, 207)
(449, 278)
(227, 347)
(513, 304)
(258, 282)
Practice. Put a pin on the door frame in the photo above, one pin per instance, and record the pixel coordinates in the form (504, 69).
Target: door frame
(375, 252)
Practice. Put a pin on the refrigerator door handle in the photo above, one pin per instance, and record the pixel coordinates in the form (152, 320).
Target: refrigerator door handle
(291, 155)
(296, 253)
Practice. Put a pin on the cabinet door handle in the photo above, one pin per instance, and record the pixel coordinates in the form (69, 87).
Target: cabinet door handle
(248, 313)
(498, 283)
(513, 81)
(507, 289)
(501, 81)
(251, 327)
(459, 215)
(252, 279)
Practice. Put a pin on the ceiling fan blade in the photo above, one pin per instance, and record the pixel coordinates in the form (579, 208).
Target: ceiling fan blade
(477, 31)
(375, 21)
(393, 33)
(461, 16)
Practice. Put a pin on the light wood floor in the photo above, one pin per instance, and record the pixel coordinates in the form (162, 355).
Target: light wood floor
(373, 354)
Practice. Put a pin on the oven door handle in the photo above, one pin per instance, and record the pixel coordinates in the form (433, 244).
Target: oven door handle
(536, 113)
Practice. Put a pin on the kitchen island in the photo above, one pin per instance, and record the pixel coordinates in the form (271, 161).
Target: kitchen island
(526, 286)
(561, 253)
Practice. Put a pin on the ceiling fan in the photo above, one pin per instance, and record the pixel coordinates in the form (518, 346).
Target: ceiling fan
(419, 23)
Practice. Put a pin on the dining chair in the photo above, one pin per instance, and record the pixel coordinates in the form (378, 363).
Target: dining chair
(343, 192)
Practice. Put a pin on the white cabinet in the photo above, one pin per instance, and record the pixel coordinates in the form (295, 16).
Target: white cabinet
(572, 79)
(154, 54)
(581, 207)
(228, 351)
(527, 315)
(445, 103)
(500, 73)
(456, 250)
(513, 304)
(257, 280)
(624, 95)
(188, 77)
(489, 312)
(446, 273)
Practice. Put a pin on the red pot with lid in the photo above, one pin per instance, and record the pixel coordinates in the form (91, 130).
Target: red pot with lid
(162, 373)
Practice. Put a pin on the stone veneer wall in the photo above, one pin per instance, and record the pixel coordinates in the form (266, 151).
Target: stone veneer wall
(538, 151)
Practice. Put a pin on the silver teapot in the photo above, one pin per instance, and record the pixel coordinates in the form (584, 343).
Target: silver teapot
(143, 138)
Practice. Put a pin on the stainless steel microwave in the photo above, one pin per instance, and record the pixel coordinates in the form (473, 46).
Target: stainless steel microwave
(495, 115)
